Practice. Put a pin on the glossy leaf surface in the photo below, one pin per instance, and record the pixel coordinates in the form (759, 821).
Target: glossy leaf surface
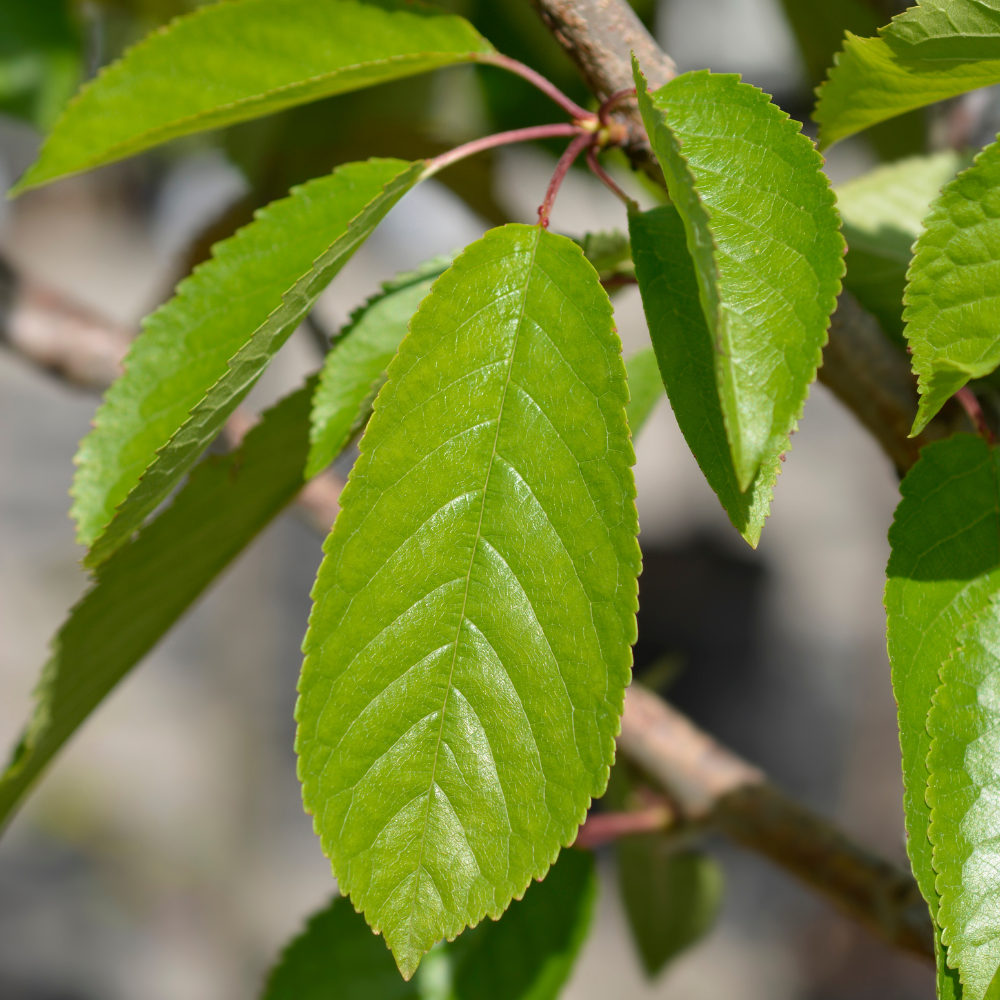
(355, 366)
(953, 297)
(645, 387)
(671, 896)
(151, 581)
(468, 649)
(762, 231)
(201, 353)
(963, 792)
(883, 213)
(684, 352)
(526, 955)
(232, 61)
(943, 570)
(933, 51)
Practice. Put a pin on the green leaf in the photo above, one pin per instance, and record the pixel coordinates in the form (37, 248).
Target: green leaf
(762, 230)
(40, 59)
(645, 387)
(684, 352)
(962, 791)
(933, 51)
(228, 62)
(943, 571)
(149, 583)
(671, 896)
(883, 213)
(354, 370)
(953, 295)
(468, 649)
(527, 955)
(201, 353)
(606, 250)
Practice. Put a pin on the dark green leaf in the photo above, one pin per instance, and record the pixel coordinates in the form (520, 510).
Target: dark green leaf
(683, 347)
(645, 387)
(355, 366)
(953, 296)
(228, 62)
(963, 791)
(201, 353)
(468, 650)
(943, 571)
(151, 581)
(671, 896)
(883, 213)
(763, 232)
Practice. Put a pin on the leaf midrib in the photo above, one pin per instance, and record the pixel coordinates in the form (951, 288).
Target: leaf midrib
(468, 578)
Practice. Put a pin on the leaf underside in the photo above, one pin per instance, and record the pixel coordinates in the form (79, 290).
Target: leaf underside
(468, 648)
(149, 583)
(355, 366)
(953, 297)
(883, 213)
(683, 347)
(933, 51)
(963, 793)
(527, 955)
(230, 62)
(943, 570)
(763, 233)
(201, 353)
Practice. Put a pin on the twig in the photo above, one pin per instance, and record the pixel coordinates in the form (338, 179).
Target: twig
(573, 150)
(547, 87)
(966, 398)
(609, 182)
(709, 783)
(604, 827)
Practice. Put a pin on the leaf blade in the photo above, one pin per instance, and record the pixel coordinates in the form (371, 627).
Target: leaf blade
(149, 583)
(645, 387)
(202, 352)
(487, 324)
(951, 297)
(226, 63)
(742, 175)
(683, 347)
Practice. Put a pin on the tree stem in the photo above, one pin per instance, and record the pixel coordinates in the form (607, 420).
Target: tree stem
(573, 150)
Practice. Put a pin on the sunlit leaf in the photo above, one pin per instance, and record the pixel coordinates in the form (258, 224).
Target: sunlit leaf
(468, 649)
(201, 353)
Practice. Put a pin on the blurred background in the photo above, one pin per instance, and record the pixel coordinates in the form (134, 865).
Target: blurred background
(165, 856)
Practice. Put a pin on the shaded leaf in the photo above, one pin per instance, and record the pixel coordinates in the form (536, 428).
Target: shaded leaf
(762, 230)
(645, 387)
(917, 60)
(953, 296)
(526, 955)
(943, 570)
(606, 250)
(354, 369)
(201, 353)
(151, 581)
(683, 346)
(468, 649)
(962, 791)
(229, 62)
(671, 896)
(883, 213)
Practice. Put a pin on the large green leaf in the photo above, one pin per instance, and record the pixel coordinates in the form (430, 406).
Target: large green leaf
(943, 570)
(764, 235)
(151, 581)
(526, 955)
(468, 649)
(671, 896)
(684, 352)
(936, 50)
(953, 296)
(963, 790)
(228, 62)
(355, 366)
(201, 353)
(883, 213)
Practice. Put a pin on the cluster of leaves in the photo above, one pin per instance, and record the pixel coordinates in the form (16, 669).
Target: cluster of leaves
(469, 645)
